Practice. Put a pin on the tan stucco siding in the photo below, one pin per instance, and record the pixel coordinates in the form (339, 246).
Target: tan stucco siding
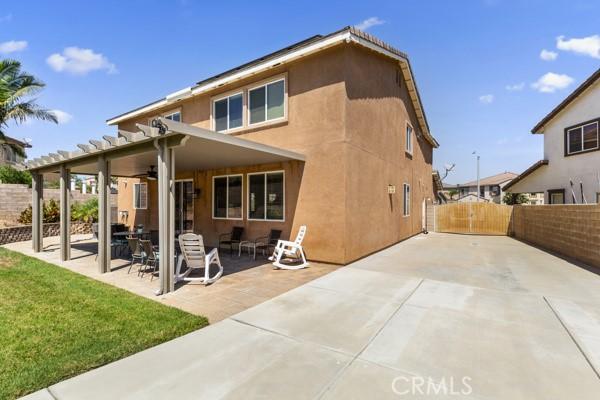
(376, 114)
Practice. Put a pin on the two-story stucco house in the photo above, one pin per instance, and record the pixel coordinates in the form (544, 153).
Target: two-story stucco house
(329, 133)
(350, 106)
(491, 188)
(571, 144)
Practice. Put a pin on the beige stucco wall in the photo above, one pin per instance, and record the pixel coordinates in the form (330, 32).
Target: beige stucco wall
(560, 169)
(349, 124)
(376, 115)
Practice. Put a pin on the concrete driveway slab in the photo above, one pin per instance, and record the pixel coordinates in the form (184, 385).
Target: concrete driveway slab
(43, 394)
(369, 283)
(582, 320)
(365, 380)
(485, 303)
(228, 360)
(340, 321)
(503, 360)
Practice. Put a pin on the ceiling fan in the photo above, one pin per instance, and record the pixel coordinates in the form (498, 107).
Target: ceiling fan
(151, 174)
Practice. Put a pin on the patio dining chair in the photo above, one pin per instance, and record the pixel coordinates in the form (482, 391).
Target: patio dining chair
(152, 257)
(232, 238)
(136, 252)
(195, 257)
(287, 252)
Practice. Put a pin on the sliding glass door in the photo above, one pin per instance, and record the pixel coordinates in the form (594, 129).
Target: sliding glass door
(184, 206)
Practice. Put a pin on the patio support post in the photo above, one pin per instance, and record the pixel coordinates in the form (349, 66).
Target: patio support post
(37, 193)
(166, 214)
(104, 254)
(65, 214)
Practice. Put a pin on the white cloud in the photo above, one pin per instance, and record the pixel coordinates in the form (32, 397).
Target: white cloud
(548, 55)
(62, 116)
(589, 46)
(551, 82)
(516, 87)
(79, 61)
(368, 23)
(6, 18)
(486, 98)
(13, 46)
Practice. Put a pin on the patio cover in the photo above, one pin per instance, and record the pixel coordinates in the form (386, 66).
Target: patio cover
(169, 146)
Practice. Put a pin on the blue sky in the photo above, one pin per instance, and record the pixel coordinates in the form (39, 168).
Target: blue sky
(476, 62)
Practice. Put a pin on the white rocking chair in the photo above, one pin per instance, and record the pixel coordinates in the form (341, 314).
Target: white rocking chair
(287, 251)
(192, 250)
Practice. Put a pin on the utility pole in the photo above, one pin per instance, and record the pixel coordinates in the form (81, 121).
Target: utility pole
(478, 189)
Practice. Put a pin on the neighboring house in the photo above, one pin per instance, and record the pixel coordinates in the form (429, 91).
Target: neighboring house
(491, 188)
(472, 197)
(329, 133)
(571, 145)
(8, 156)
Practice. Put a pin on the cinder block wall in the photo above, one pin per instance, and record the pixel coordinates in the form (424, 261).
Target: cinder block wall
(15, 198)
(570, 230)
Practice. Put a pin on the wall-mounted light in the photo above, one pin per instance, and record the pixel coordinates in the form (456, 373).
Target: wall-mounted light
(391, 189)
(197, 193)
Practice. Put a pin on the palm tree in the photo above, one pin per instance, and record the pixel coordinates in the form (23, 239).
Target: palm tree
(16, 104)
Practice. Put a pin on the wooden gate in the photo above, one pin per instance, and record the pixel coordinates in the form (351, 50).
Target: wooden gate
(477, 218)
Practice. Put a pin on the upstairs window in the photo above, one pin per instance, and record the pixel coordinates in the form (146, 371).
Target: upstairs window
(266, 102)
(140, 196)
(176, 116)
(408, 147)
(227, 113)
(582, 138)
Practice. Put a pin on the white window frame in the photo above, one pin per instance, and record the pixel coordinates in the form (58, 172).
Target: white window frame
(167, 114)
(226, 197)
(173, 113)
(406, 200)
(408, 141)
(139, 184)
(582, 142)
(265, 181)
(265, 84)
(227, 96)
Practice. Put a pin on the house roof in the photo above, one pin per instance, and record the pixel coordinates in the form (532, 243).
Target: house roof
(492, 180)
(437, 180)
(568, 100)
(311, 45)
(11, 140)
(525, 173)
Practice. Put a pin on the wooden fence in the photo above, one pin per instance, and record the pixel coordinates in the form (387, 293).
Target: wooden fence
(472, 217)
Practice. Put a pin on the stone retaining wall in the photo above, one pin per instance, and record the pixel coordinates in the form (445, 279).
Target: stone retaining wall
(570, 230)
(23, 232)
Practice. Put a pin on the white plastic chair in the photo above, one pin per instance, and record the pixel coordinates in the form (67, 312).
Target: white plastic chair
(192, 250)
(290, 252)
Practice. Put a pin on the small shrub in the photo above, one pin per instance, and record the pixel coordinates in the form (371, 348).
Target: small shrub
(51, 211)
(25, 217)
(9, 174)
(86, 211)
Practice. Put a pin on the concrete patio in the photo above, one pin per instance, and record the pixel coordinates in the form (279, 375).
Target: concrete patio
(245, 282)
(435, 316)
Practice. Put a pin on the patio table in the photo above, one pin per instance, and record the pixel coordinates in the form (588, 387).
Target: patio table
(249, 246)
(132, 233)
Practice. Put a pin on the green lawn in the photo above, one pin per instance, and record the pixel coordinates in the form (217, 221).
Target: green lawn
(55, 324)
